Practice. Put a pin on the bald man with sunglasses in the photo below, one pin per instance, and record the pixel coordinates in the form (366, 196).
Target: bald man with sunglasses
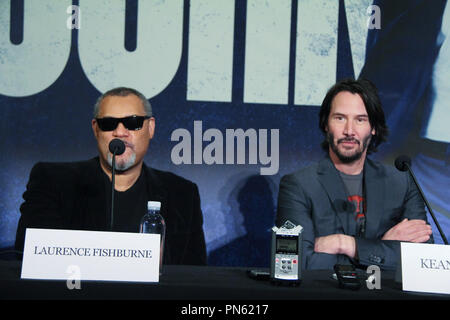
(77, 195)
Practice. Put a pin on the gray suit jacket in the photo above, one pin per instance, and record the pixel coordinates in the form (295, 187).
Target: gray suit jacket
(313, 197)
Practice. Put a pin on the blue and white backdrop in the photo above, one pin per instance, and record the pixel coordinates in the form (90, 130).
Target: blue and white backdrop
(235, 86)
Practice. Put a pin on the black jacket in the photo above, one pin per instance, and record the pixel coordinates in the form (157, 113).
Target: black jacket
(72, 196)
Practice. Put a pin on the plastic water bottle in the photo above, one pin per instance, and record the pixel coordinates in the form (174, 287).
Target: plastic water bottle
(153, 222)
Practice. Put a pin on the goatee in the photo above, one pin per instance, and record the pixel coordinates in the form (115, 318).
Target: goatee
(348, 158)
(124, 164)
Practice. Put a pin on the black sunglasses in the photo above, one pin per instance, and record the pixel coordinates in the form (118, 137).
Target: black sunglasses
(131, 123)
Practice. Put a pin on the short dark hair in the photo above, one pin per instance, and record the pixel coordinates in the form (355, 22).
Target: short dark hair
(369, 94)
(123, 92)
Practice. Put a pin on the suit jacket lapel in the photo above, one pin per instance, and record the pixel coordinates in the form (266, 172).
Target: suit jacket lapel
(374, 185)
(334, 186)
(155, 189)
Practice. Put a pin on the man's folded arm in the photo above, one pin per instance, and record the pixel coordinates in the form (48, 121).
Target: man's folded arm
(412, 227)
(293, 205)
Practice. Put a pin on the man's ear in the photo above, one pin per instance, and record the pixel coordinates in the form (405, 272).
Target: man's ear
(94, 127)
(151, 127)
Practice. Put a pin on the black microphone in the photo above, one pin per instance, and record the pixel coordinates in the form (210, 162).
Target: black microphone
(116, 147)
(403, 163)
(344, 206)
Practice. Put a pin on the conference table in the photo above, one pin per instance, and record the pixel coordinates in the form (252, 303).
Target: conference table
(192, 283)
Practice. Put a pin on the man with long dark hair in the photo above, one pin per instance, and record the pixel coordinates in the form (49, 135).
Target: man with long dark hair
(353, 209)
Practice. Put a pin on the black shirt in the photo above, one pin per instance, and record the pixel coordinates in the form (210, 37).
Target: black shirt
(129, 206)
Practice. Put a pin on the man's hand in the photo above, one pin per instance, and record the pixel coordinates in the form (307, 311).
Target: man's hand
(415, 230)
(336, 244)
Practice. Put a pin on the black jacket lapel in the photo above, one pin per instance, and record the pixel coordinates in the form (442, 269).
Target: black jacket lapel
(156, 190)
(96, 210)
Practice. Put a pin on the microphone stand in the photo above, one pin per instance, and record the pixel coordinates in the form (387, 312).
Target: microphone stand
(116, 147)
(113, 176)
(426, 203)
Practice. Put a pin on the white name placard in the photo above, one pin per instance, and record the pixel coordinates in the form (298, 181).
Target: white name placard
(90, 255)
(425, 267)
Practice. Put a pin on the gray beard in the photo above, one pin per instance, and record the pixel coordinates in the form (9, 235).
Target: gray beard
(123, 165)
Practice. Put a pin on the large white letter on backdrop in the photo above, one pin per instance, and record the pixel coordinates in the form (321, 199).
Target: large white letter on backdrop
(210, 65)
(316, 55)
(267, 48)
(33, 65)
(101, 44)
